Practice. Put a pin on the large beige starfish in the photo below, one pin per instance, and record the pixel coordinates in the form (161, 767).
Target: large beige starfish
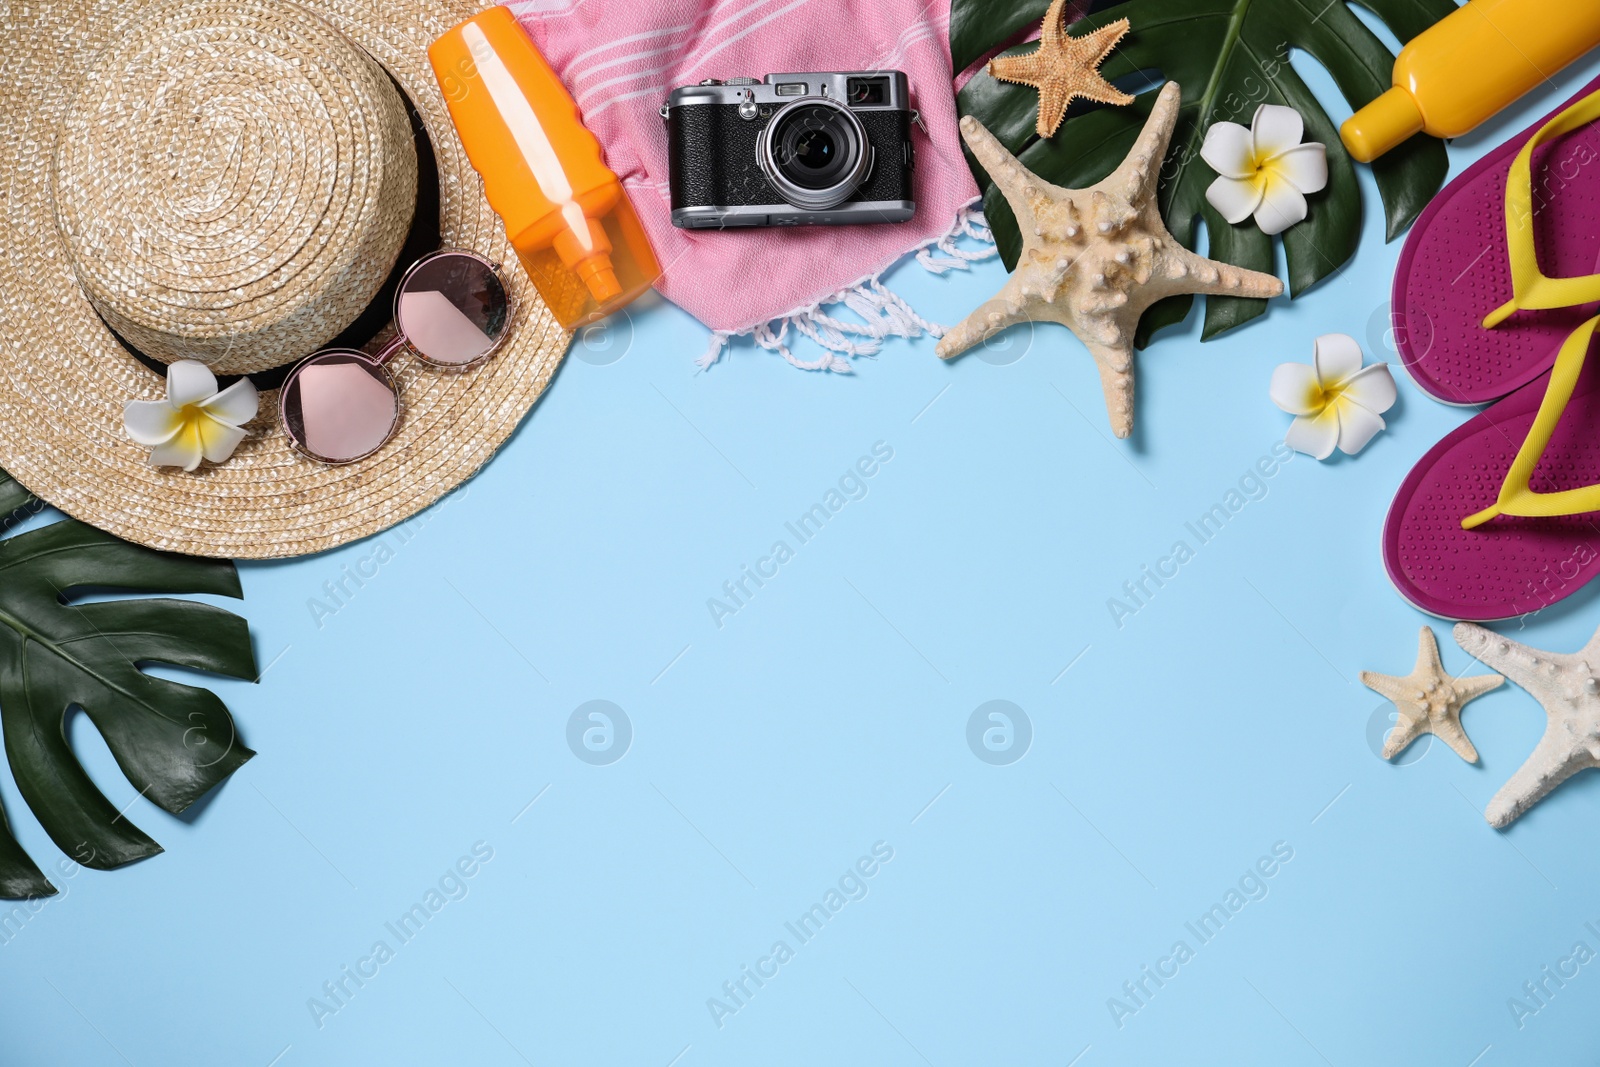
(1568, 687)
(1429, 701)
(1094, 259)
(1064, 67)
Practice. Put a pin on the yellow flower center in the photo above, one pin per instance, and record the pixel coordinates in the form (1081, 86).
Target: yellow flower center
(1267, 171)
(1318, 398)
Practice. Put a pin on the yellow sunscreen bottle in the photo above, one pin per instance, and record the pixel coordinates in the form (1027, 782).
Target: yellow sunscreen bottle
(1469, 65)
(565, 211)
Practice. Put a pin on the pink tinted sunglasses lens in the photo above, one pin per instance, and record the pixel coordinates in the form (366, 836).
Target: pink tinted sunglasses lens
(453, 309)
(339, 406)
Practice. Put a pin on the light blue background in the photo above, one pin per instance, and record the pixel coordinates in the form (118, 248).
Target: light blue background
(830, 713)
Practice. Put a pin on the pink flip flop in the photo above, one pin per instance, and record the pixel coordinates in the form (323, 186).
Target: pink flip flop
(1529, 547)
(1454, 269)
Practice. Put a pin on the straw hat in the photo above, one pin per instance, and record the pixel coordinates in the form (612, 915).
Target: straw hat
(233, 181)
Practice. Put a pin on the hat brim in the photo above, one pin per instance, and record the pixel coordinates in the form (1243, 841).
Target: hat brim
(66, 377)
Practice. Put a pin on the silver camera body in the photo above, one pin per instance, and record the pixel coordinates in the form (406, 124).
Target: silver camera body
(831, 148)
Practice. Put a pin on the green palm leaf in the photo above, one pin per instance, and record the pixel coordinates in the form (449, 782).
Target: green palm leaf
(174, 742)
(1229, 56)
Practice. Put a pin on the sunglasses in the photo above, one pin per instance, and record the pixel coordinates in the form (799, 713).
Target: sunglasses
(452, 310)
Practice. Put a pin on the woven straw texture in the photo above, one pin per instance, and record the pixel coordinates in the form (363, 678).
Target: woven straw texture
(245, 210)
(66, 377)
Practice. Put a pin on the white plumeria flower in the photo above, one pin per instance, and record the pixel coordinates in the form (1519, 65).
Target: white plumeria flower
(1338, 401)
(1265, 170)
(195, 421)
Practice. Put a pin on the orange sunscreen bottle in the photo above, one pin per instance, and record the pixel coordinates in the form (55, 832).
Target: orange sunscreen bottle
(565, 211)
(1469, 65)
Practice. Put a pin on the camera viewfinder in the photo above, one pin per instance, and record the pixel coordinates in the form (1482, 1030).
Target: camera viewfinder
(868, 92)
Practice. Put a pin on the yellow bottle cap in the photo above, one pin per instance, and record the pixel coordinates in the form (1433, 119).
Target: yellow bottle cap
(1381, 125)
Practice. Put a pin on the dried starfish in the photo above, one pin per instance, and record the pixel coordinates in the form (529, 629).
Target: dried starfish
(1429, 701)
(1064, 67)
(1567, 686)
(1094, 259)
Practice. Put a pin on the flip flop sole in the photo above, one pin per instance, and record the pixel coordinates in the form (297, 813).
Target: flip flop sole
(1454, 268)
(1510, 566)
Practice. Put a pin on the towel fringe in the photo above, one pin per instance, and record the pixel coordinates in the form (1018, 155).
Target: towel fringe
(970, 222)
(884, 313)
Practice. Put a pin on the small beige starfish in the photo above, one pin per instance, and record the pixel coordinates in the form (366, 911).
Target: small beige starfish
(1094, 259)
(1064, 67)
(1567, 686)
(1429, 701)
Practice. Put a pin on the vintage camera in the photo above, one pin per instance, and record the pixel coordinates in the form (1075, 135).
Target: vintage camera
(792, 150)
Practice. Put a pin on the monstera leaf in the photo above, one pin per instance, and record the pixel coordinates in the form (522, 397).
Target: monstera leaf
(1229, 57)
(173, 741)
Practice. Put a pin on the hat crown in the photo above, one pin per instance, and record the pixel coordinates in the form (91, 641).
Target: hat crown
(234, 182)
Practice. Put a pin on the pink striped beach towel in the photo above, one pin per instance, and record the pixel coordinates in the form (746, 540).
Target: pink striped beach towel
(620, 59)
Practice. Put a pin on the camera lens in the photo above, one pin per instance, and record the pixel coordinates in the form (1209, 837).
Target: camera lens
(812, 146)
(816, 153)
(813, 150)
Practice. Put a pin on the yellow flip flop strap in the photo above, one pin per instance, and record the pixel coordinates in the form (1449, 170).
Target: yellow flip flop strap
(1515, 496)
(1530, 289)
